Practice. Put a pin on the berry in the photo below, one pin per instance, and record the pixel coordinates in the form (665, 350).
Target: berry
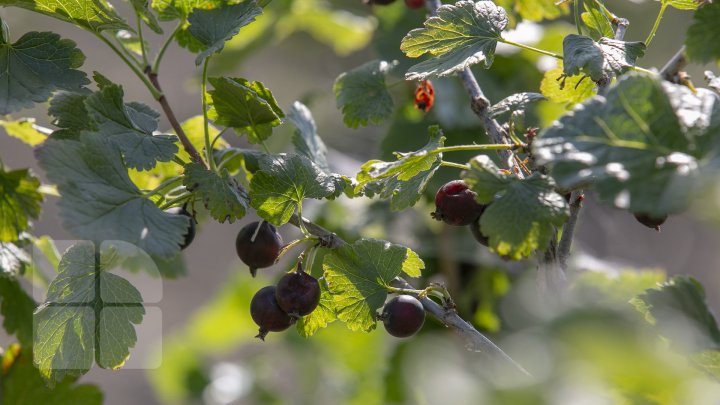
(415, 3)
(455, 204)
(477, 233)
(403, 316)
(190, 234)
(298, 293)
(267, 314)
(650, 222)
(263, 250)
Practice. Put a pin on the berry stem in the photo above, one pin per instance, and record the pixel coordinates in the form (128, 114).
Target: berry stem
(206, 120)
(659, 17)
(143, 51)
(530, 48)
(576, 198)
(164, 185)
(292, 244)
(453, 164)
(460, 148)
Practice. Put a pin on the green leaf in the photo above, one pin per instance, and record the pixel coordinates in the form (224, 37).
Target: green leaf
(566, 90)
(362, 94)
(35, 66)
(23, 385)
(599, 60)
(521, 214)
(685, 4)
(404, 180)
(20, 202)
(336, 26)
(25, 130)
(142, 8)
(130, 126)
(99, 202)
(596, 21)
(213, 27)
(17, 309)
(69, 111)
(680, 311)
(703, 36)
(632, 146)
(538, 10)
(180, 9)
(515, 102)
(246, 106)
(221, 194)
(92, 15)
(306, 140)
(13, 259)
(89, 314)
(358, 276)
(321, 317)
(460, 35)
(283, 182)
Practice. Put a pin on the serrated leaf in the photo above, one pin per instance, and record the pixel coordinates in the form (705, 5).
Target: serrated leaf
(632, 147)
(36, 65)
(680, 310)
(130, 126)
(25, 130)
(358, 276)
(281, 184)
(703, 36)
(599, 60)
(180, 9)
(23, 385)
(13, 259)
(17, 308)
(246, 106)
(596, 21)
(460, 35)
(20, 202)
(515, 102)
(69, 111)
(684, 4)
(522, 213)
(92, 15)
(89, 314)
(404, 179)
(306, 140)
(221, 194)
(99, 202)
(213, 27)
(566, 90)
(362, 94)
(321, 317)
(142, 8)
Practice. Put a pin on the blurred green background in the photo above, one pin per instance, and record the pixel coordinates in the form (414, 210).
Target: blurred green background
(592, 352)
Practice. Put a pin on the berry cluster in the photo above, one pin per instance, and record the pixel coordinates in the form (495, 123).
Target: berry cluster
(276, 308)
(455, 204)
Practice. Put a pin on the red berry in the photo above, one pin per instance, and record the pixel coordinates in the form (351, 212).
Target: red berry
(267, 314)
(650, 222)
(455, 204)
(298, 293)
(415, 3)
(260, 251)
(403, 316)
(190, 234)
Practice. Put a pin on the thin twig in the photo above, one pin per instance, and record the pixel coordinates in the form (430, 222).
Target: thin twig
(576, 199)
(170, 114)
(674, 65)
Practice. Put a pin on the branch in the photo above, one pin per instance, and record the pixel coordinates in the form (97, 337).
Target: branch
(576, 199)
(170, 114)
(671, 69)
(475, 341)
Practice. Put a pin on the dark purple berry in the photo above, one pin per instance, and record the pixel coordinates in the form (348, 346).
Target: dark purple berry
(649, 221)
(190, 234)
(267, 314)
(298, 293)
(258, 248)
(415, 4)
(477, 233)
(455, 204)
(403, 316)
